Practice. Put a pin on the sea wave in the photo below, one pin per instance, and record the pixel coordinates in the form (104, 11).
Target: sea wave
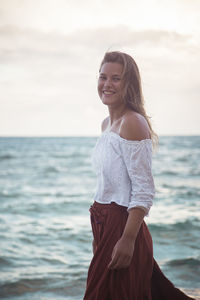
(191, 262)
(57, 286)
(5, 262)
(46, 188)
(22, 286)
(187, 225)
(6, 157)
(9, 194)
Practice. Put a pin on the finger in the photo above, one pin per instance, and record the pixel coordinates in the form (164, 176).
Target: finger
(113, 253)
(111, 264)
(118, 265)
(122, 262)
(113, 258)
(113, 261)
(126, 264)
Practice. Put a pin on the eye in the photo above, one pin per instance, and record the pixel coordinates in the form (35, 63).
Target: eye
(116, 79)
(102, 77)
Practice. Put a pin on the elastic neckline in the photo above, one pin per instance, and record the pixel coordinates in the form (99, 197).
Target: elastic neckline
(123, 139)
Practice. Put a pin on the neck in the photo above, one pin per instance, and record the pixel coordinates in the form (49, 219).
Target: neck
(116, 113)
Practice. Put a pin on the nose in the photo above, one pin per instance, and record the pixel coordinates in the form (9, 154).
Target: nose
(107, 83)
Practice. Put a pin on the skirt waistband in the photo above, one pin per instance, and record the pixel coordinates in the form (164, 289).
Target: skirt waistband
(112, 206)
(100, 211)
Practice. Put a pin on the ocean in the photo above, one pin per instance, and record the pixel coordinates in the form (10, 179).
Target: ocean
(47, 185)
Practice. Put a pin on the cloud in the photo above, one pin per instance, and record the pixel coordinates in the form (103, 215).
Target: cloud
(101, 39)
(67, 16)
(52, 73)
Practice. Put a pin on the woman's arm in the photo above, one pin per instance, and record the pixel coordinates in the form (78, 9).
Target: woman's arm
(133, 127)
(123, 250)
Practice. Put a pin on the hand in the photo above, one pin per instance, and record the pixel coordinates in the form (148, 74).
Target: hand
(122, 253)
(94, 246)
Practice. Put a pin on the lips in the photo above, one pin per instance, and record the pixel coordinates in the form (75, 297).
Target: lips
(108, 92)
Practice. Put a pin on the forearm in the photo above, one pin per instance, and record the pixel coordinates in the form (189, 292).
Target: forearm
(133, 223)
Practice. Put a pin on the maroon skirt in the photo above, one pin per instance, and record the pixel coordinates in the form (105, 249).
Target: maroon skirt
(142, 280)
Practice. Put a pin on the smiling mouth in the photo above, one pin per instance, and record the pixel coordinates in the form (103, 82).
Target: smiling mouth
(108, 93)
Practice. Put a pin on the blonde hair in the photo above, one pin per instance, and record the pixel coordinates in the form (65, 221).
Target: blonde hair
(132, 91)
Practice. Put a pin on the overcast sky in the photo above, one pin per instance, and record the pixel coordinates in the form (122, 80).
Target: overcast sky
(50, 53)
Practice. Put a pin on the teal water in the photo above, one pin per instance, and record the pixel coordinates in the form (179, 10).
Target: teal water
(46, 188)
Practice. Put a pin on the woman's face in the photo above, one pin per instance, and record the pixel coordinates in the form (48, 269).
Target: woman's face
(110, 83)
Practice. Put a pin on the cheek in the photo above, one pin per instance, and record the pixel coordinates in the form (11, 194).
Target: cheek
(99, 87)
(119, 87)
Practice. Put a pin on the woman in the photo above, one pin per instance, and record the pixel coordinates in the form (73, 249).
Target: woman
(123, 267)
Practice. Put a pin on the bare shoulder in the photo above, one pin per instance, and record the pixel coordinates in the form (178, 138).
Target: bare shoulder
(104, 124)
(134, 127)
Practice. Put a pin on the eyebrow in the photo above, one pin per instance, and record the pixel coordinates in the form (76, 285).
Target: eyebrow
(115, 75)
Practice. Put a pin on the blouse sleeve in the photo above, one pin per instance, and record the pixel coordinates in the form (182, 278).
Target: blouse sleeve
(137, 157)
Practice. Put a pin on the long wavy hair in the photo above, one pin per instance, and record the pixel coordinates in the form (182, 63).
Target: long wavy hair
(132, 89)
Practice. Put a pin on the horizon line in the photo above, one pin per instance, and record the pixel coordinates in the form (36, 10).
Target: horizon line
(63, 136)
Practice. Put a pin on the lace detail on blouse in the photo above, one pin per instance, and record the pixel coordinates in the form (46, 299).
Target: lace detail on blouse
(124, 171)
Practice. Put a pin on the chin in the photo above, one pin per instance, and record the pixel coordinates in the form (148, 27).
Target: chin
(106, 102)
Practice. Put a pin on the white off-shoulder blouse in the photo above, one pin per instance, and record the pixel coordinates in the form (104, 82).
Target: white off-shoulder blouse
(124, 171)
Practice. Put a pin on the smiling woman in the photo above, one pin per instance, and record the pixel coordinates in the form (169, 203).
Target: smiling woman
(123, 266)
(110, 83)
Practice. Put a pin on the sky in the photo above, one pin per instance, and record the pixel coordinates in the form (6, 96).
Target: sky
(50, 52)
